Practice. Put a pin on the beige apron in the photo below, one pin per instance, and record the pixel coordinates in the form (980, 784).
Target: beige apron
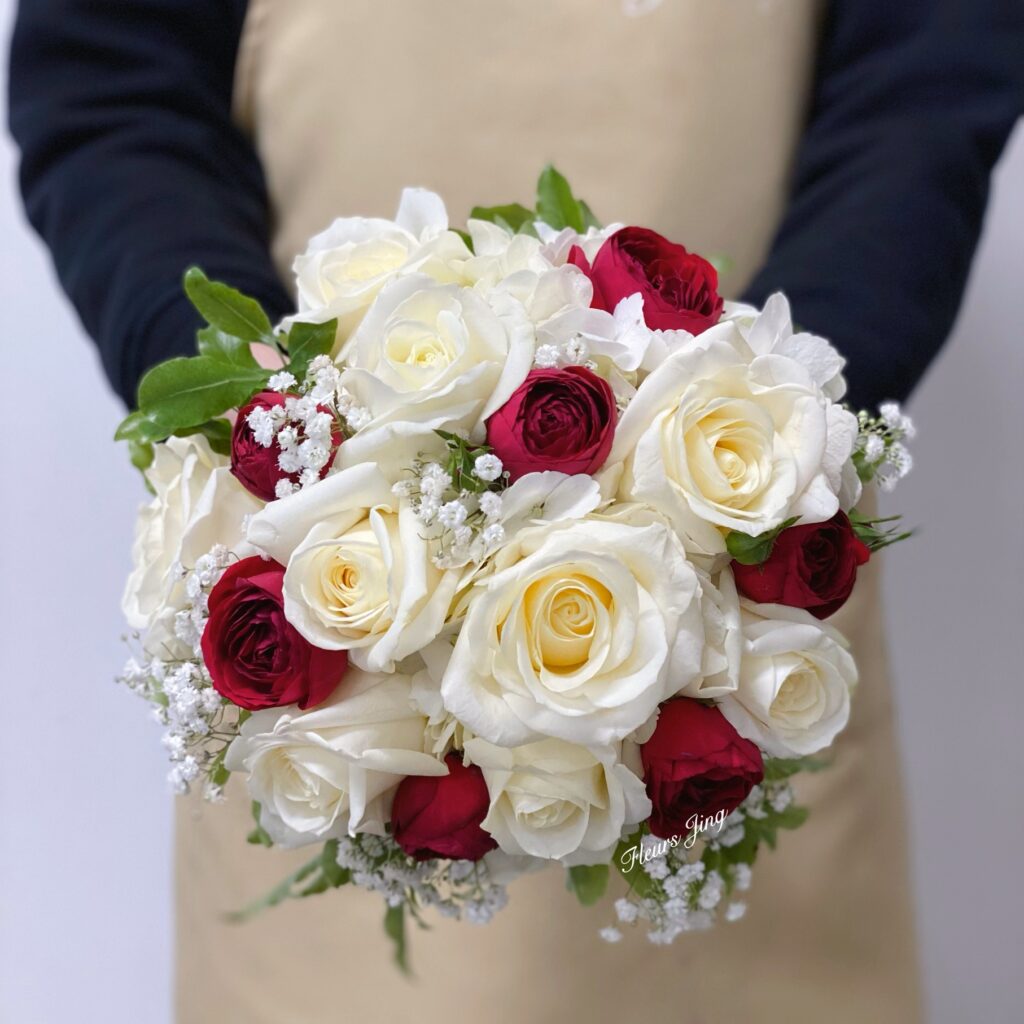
(684, 120)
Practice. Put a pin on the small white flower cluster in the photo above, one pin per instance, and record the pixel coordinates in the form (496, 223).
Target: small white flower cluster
(457, 889)
(574, 352)
(464, 524)
(303, 431)
(190, 622)
(198, 722)
(880, 452)
(682, 895)
(323, 385)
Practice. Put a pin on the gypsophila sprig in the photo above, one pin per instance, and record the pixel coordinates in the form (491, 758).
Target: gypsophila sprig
(685, 883)
(574, 352)
(880, 453)
(199, 724)
(458, 502)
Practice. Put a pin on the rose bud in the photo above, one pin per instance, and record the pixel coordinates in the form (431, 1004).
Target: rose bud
(679, 288)
(812, 566)
(695, 765)
(255, 656)
(561, 420)
(440, 816)
(254, 465)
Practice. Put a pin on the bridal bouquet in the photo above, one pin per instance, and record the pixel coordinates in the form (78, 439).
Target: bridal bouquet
(514, 545)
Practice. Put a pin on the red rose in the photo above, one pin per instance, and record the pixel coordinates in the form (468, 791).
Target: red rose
(695, 765)
(812, 566)
(561, 420)
(254, 466)
(679, 288)
(256, 658)
(440, 816)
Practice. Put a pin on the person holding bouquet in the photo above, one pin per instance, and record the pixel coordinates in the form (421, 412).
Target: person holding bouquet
(839, 152)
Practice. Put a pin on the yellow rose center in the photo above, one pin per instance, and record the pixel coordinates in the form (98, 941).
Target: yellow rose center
(799, 698)
(728, 452)
(562, 618)
(349, 584)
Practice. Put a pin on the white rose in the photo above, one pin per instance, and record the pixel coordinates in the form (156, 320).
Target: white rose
(622, 346)
(558, 801)
(359, 575)
(321, 774)
(345, 266)
(558, 243)
(581, 631)
(720, 442)
(795, 681)
(505, 265)
(720, 611)
(430, 353)
(198, 504)
(767, 331)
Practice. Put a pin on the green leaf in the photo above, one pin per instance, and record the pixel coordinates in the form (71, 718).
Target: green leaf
(217, 432)
(187, 392)
(556, 205)
(333, 872)
(722, 264)
(218, 771)
(226, 308)
(865, 470)
(512, 216)
(139, 426)
(394, 928)
(306, 342)
(281, 892)
(749, 550)
(588, 881)
(778, 768)
(868, 532)
(143, 429)
(225, 348)
(259, 835)
(791, 817)
(589, 220)
(630, 867)
(465, 236)
(141, 454)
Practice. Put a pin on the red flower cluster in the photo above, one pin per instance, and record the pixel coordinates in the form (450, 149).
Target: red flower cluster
(440, 816)
(255, 656)
(254, 466)
(679, 288)
(812, 566)
(695, 765)
(562, 420)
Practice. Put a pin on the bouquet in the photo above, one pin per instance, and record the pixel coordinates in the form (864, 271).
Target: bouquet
(514, 546)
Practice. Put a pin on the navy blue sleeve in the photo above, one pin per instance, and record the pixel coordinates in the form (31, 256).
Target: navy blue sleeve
(913, 102)
(132, 168)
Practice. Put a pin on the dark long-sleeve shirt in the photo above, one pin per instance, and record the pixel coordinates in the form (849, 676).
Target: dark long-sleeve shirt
(133, 168)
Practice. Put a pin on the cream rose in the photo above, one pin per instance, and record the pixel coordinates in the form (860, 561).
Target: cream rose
(198, 504)
(795, 681)
(345, 266)
(580, 632)
(514, 267)
(324, 773)
(720, 442)
(770, 330)
(720, 613)
(430, 353)
(359, 575)
(557, 800)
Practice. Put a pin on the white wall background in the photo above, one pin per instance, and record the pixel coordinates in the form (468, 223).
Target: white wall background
(85, 898)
